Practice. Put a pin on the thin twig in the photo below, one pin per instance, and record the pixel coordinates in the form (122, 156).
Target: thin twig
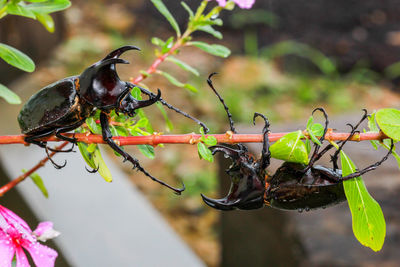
(10, 185)
(156, 138)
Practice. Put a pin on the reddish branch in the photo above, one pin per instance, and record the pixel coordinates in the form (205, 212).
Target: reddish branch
(10, 185)
(156, 139)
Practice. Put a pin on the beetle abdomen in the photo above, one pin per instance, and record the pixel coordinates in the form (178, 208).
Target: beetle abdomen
(47, 106)
(290, 189)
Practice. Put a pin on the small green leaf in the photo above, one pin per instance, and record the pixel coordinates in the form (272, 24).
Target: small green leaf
(209, 29)
(190, 87)
(388, 119)
(9, 95)
(136, 93)
(165, 12)
(369, 225)
(16, 58)
(157, 41)
(214, 49)
(38, 181)
(204, 152)
(93, 126)
(314, 131)
(183, 65)
(290, 148)
(20, 10)
(49, 6)
(188, 9)
(210, 141)
(147, 150)
(167, 45)
(47, 21)
(373, 127)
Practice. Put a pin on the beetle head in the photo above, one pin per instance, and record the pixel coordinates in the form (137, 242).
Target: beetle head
(100, 84)
(128, 104)
(247, 181)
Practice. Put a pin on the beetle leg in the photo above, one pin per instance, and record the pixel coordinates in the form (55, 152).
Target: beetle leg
(315, 155)
(334, 158)
(93, 170)
(58, 132)
(266, 154)
(231, 123)
(107, 137)
(33, 139)
(369, 168)
(162, 101)
(42, 144)
(52, 161)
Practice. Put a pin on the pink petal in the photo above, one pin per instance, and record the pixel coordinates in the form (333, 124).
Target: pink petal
(244, 3)
(7, 250)
(221, 2)
(42, 256)
(22, 260)
(12, 223)
(42, 228)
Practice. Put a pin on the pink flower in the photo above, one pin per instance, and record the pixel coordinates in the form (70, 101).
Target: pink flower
(241, 3)
(15, 235)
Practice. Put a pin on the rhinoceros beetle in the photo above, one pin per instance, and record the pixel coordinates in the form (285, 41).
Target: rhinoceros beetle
(64, 106)
(293, 186)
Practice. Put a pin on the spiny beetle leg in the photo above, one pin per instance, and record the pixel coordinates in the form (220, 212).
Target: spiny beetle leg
(107, 137)
(266, 154)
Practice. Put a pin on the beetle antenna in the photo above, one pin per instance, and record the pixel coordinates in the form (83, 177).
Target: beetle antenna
(231, 123)
(162, 101)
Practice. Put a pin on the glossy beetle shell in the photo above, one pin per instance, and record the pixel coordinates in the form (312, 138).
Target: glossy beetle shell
(53, 106)
(291, 189)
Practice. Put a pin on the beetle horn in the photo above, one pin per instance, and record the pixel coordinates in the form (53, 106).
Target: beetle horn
(220, 204)
(110, 61)
(150, 101)
(119, 51)
(232, 153)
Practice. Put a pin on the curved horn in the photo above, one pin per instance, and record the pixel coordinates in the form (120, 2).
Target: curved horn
(110, 61)
(220, 204)
(119, 51)
(232, 153)
(150, 101)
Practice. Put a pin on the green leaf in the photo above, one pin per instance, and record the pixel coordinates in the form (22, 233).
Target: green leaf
(369, 225)
(188, 9)
(290, 148)
(136, 93)
(204, 152)
(38, 181)
(183, 65)
(93, 126)
(175, 82)
(388, 119)
(214, 49)
(95, 160)
(16, 58)
(49, 6)
(314, 131)
(9, 95)
(47, 21)
(209, 29)
(167, 45)
(373, 127)
(210, 141)
(157, 41)
(147, 150)
(20, 10)
(165, 12)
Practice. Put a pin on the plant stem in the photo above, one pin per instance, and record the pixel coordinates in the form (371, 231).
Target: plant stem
(22, 177)
(156, 139)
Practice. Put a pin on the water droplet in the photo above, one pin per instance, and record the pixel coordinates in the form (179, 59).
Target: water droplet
(300, 210)
(307, 209)
(226, 156)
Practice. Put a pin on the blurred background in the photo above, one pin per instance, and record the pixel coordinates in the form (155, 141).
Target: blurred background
(288, 57)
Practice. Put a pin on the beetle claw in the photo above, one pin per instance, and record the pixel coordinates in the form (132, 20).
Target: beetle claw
(93, 170)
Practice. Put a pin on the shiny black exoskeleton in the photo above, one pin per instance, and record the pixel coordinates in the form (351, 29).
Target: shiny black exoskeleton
(64, 106)
(293, 186)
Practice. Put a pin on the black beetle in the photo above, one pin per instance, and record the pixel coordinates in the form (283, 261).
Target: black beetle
(64, 106)
(293, 186)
